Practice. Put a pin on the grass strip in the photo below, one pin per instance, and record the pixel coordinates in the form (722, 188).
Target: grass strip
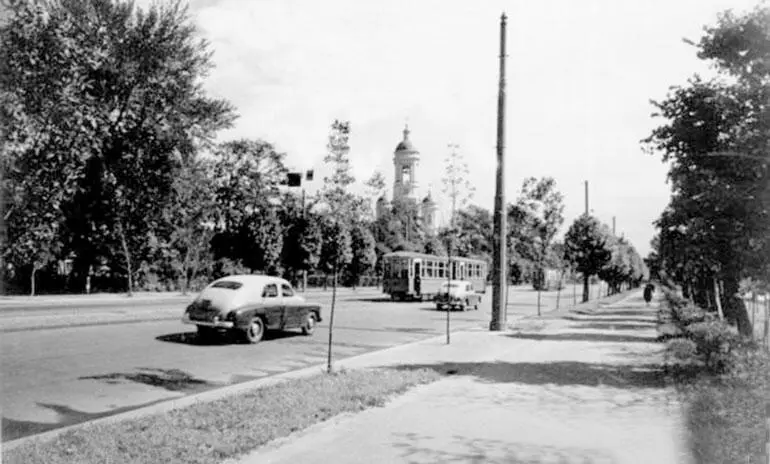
(208, 433)
(726, 413)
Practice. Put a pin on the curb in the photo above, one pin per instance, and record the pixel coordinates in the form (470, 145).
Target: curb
(165, 406)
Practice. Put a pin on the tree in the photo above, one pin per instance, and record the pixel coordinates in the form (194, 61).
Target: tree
(587, 248)
(545, 206)
(111, 98)
(364, 255)
(474, 232)
(247, 175)
(460, 191)
(342, 209)
(521, 244)
(302, 237)
(715, 230)
(191, 215)
(375, 187)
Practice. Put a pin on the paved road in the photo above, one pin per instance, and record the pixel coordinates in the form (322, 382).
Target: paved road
(61, 376)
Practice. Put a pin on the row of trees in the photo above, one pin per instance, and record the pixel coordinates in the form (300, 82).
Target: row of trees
(715, 232)
(111, 180)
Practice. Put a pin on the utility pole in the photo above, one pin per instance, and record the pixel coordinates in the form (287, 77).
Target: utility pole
(586, 187)
(499, 266)
(613, 225)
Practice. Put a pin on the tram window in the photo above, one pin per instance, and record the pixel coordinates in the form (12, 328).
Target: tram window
(440, 270)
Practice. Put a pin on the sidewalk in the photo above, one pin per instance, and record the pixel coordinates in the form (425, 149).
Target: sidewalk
(580, 388)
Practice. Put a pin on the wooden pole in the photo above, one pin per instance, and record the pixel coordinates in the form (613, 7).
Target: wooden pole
(499, 309)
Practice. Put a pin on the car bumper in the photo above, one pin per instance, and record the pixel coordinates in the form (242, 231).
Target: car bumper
(216, 325)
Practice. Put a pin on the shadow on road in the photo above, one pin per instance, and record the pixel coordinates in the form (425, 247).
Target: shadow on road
(620, 313)
(562, 373)
(417, 448)
(192, 338)
(584, 337)
(379, 299)
(15, 429)
(174, 380)
(611, 319)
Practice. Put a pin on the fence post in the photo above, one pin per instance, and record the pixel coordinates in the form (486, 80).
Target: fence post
(767, 433)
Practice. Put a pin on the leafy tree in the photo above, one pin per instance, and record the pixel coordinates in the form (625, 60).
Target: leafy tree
(363, 248)
(191, 216)
(302, 237)
(586, 246)
(715, 230)
(111, 98)
(545, 207)
(521, 244)
(375, 188)
(262, 241)
(474, 232)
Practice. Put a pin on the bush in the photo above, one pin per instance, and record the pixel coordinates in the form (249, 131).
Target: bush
(682, 349)
(715, 342)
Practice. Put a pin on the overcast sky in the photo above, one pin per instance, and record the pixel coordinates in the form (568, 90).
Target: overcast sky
(580, 77)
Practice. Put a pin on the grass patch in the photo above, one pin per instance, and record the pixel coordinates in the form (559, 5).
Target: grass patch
(726, 413)
(209, 433)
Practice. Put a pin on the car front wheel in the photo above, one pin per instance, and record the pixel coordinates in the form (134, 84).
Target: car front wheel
(255, 331)
(309, 326)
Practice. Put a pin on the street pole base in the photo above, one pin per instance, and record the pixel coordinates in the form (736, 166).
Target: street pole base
(496, 326)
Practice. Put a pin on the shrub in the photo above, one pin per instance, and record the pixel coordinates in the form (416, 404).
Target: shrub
(682, 349)
(715, 342)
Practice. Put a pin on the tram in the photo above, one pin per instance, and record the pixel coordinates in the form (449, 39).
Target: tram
(409, 275)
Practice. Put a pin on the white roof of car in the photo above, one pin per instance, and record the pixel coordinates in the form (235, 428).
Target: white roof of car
(252, 279)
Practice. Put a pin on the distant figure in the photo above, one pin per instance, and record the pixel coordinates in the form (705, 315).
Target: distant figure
(649, 289)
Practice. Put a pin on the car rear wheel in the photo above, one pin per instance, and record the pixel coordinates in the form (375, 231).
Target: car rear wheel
(255, 331)
(308, 327)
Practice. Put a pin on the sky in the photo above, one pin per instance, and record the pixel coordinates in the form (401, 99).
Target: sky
(580, 77)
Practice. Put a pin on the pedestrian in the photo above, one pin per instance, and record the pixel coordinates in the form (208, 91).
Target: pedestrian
(649, 289)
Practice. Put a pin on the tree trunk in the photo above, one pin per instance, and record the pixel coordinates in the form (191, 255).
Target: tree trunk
(331, 320)
(718, 300)
(736, 307)
(585, 287)
(127, 256)
(32, 280)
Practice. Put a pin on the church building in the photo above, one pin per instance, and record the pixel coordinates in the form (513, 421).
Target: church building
(406, 159)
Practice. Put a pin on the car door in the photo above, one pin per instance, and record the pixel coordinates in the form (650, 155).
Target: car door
(292, 309)
(273, 304)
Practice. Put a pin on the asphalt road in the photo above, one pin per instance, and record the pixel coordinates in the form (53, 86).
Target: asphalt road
(55, 376)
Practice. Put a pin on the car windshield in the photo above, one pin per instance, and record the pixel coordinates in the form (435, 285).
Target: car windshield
(228, 284)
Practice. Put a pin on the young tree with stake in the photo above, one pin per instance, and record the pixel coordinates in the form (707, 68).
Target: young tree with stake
(460, 191)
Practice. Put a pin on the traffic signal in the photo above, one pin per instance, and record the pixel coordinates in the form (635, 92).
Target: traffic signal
(294, 179)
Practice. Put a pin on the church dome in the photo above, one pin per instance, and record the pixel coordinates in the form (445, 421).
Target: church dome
(406, 144)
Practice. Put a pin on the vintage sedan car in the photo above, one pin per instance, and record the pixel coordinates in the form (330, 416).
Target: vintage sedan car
(246, 306)
(457, 294)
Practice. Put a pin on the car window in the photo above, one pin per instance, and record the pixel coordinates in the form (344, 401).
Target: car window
(228, 284)
(270, 291)
(286, 290)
